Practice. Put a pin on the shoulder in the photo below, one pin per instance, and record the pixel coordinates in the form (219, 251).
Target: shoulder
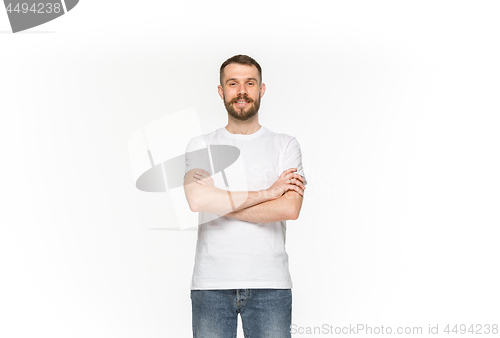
(281, 138)
(201, 141)
(287, 144)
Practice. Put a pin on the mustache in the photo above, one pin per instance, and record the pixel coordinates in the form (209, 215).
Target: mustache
(241, 98)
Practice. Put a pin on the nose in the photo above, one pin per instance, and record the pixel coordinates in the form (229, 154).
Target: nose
(242, 90)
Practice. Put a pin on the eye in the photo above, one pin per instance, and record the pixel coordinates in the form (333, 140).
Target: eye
(250, 83)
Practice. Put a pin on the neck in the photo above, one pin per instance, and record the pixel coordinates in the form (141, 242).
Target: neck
(243, 127)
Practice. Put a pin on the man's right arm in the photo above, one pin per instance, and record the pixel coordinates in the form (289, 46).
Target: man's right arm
(208, 199)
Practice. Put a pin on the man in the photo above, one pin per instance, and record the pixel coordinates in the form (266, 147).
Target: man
(241, 265)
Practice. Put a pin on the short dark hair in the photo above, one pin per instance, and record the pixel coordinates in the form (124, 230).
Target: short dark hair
(242, 60)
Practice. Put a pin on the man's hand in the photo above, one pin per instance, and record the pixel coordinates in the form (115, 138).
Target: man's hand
(203, 178)
(288, 180)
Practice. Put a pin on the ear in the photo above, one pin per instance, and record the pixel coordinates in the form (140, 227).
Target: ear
(262, 89)
(221, 91)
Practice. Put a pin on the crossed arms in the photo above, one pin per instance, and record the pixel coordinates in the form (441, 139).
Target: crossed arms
(282, 201)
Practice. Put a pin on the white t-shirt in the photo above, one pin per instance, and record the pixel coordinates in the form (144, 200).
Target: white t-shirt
(235, 254)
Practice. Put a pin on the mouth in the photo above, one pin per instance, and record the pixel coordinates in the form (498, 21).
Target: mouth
(242, 102)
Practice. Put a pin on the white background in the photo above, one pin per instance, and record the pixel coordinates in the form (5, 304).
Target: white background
(395, 106)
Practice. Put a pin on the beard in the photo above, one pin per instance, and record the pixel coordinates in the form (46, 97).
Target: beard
(239, 113)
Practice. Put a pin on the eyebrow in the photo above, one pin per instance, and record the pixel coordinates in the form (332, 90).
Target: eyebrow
(234, 79)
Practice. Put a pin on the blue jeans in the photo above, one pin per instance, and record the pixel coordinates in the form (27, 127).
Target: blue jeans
(265, 313)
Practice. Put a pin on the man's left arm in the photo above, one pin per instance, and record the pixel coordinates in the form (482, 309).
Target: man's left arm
(287, 207)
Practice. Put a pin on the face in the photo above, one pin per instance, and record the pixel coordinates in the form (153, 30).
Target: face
(241, 91)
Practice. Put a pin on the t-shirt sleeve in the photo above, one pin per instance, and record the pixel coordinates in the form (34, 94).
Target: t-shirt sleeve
(292, 158)
(197, 155)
